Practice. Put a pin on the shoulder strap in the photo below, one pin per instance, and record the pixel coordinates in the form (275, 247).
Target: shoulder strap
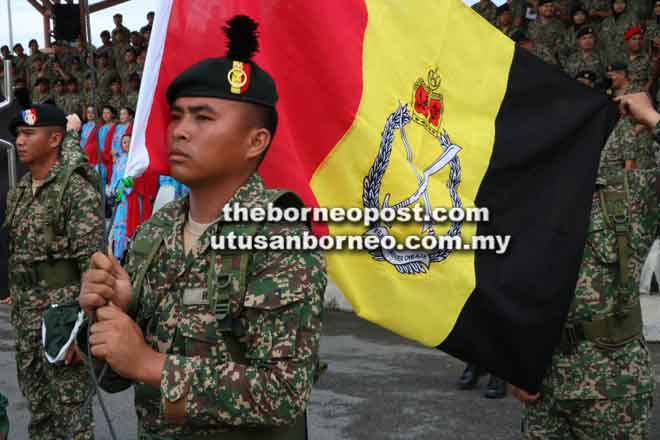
(146, 249)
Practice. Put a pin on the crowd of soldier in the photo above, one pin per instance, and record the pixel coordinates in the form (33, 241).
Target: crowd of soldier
(63, 74)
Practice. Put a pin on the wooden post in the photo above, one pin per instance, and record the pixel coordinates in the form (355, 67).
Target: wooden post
(83, 24)
(46, 30)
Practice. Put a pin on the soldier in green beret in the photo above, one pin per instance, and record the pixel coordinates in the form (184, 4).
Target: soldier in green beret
(219, 344)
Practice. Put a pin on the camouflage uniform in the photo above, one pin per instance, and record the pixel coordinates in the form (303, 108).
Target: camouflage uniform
(641, 8)
(22, 66)
(585, 61)
(596, 5)
(126, 72)
(119, 55)
(73, 104)
(612, 41)
(40, 98)
(550, 35)
(132, 99)
(117, 102)
(275, 312)
(592, 391)
(55, 392)
(544, 53)
(103, 79)
(639, 69)
(652, 31)
(487, 10)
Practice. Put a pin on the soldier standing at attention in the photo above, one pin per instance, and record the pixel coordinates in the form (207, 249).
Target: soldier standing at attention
(586, 57)
(54, 225)
(487, 9)
(639, 62)
(219, 344)
(547, 30)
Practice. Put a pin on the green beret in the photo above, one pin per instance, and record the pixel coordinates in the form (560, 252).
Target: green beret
(42, 115)
(235, 77)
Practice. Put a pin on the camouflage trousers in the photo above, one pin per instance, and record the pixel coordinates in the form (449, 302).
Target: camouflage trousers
(551, 419)
(4, 419)
(55, 393)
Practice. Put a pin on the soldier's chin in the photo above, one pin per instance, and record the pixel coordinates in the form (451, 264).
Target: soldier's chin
(180, 172)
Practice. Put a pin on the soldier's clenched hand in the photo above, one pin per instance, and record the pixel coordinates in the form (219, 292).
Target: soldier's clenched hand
(117, 339)
(106, 281)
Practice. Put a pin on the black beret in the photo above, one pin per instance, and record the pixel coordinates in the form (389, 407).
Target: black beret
(542, 2)
(235, 77)
(41, 115)
(618, 66)
(586, 74)
(583, 30)
(502, 9)
(519, 35)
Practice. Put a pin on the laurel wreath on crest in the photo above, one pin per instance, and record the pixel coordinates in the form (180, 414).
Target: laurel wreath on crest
(372, 182)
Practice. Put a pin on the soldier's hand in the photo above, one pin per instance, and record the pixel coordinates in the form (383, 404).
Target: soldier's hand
(105, 281)
(73, 122)
(117, 339)
(640, 107)
(523, 395)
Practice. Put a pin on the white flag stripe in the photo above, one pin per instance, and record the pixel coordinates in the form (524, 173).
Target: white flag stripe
(138, 156)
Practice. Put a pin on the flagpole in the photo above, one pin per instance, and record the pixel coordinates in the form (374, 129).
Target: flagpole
(11, 27)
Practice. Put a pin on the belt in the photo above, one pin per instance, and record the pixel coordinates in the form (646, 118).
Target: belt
(609, 333)
(53, 274)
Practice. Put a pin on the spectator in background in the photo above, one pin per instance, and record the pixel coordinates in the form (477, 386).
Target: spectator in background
(613, 29)
(6, 53)
(21, 61)
(150, 22)
(120, 45)
(104, 76)
(136, 42)
(42, 94)
(105, 135)
(129, 67)
(120, 191)
(639, 62)
(59, 94)
(106, 44)
(72, 99)
(133, 91)
(116, 99)
(89, 140)
(120, 28)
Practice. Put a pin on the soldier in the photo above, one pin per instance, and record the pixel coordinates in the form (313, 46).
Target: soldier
(119, 47)
(150, 22)
(73, 103)
(54, 227)
(585, 58)
(76, 71)
(652, 33)
(486, 9)
(579, 18)
(598, 11)
(106, 44)
(120, 28)
(600, 382)
(547, 31)
(42, 93)
(21, 61)
(218, 346)
(587, 77)
(104, 76)
(129, 67)
(504, 20)
(525, 42)
(639, 63)
(133, 91)
(613, 29)
(116, 99)
(59, 94)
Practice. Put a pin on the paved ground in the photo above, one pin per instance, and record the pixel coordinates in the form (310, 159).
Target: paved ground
(378, 386)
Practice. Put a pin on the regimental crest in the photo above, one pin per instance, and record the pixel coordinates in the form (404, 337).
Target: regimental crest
(428, 102)
(29, 116)
(239, 77)
(426, 110)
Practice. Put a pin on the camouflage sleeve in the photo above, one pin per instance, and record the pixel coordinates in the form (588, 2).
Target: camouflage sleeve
(283, 313)
(656, 133)
(85, 225)
(629, 144)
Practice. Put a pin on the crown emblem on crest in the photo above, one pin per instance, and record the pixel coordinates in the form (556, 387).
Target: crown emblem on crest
(428, 102)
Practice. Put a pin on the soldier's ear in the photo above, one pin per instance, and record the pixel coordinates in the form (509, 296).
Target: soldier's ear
(258, 141)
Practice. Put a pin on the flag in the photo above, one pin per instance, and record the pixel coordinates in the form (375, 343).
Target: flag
(417, 104)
